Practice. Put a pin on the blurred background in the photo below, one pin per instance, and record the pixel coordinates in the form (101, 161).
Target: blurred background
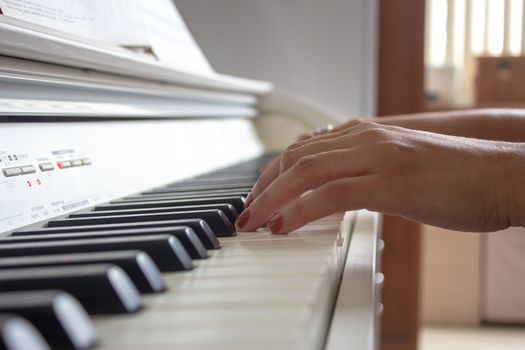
(321, 50)
(443, 289)
(473, 53)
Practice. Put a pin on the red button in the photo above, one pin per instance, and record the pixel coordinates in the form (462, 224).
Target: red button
(64, 164)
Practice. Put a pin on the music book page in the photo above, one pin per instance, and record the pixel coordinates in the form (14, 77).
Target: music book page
(154, 26)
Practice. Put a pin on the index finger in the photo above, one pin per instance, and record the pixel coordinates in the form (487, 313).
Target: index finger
(309, 173)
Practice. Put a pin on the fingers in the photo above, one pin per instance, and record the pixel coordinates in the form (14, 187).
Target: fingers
(280, 164)
(340, 195)
(308, 173)
(268, 175)
(350, 124)
(329, 128)
(266, 164)
(336, 133)
(292, 155)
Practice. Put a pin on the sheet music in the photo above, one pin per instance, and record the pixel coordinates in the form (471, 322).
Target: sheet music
(155, 25)
(169, 37)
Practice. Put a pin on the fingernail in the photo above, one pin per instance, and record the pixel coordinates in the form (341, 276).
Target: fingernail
(248, 201)
(243, 218)
(275, 223)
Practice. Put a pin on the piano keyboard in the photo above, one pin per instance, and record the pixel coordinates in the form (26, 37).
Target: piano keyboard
(165, 269)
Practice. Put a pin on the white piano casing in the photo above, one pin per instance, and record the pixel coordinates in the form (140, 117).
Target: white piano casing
(133, 155)
(125, 158)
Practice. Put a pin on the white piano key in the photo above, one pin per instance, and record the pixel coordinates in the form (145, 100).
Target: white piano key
(260, 291)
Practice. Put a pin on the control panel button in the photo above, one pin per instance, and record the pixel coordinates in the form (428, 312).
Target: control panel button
(86, 161)
(28, 169)
(64, 164)
(8, 172)
(76, 162)
(46, 167)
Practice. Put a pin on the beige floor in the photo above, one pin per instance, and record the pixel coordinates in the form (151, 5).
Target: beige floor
(471, 338)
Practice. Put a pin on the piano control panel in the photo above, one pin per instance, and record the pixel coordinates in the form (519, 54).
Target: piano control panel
(27, 171)
(48, 170)
(31, 165)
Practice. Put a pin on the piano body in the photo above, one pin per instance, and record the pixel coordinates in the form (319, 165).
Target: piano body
(135, 158)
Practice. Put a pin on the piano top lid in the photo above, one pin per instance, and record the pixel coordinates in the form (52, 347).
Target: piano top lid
(29, 41)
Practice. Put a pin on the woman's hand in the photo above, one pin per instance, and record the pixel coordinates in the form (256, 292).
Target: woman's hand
(447, 181)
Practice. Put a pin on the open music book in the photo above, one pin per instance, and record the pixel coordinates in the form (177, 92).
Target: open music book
(152, 27)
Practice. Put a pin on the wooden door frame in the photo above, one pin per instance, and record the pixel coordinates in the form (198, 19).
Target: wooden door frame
(401, 91)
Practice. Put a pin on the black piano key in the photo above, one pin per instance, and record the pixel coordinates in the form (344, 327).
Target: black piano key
(229, 210)
(200, 227)
(208, 193)
(137, 264)
(199, 187)
(207, 185)
(228, 175)
(234, 173)
(165, 250)
(142, 202)
(216, 219)
(222, 178)
(178, 199)
(251, 167)
(16, 333)
(219, 178)
(184, 234)
(58, 316)
(174, 194)
(210, 185)
(101, 289)
(226, 208)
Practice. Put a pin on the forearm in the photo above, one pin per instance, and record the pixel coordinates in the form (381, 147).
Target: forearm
(489, 124)
(513, 181)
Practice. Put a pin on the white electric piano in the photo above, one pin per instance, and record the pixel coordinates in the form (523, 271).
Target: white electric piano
(120, 178)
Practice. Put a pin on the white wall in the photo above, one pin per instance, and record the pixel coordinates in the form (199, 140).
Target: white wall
(324, 50)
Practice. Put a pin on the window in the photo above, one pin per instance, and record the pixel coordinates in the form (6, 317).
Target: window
(458, 31)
